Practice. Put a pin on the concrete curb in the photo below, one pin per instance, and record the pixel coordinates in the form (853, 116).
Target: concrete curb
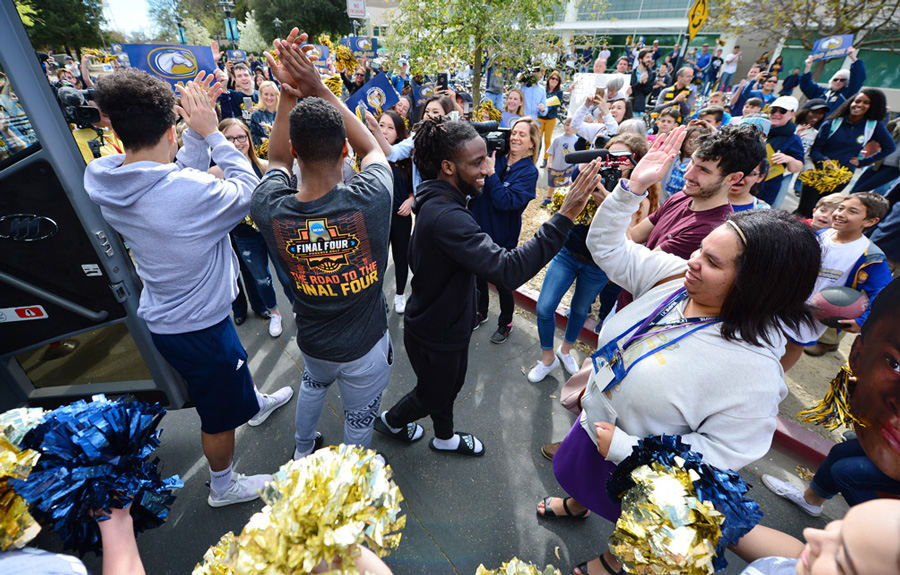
(798, 440)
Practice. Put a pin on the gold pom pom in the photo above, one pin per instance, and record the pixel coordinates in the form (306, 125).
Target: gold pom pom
(827, 178)
(318, 510)
(17, 526)
(836, 408)
(516, 566)
(586, 215)
(494, 114)
(344, 60)
(334, 84)
(325, 40)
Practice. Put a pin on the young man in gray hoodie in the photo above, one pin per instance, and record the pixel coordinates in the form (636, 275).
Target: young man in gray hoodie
(175, 218)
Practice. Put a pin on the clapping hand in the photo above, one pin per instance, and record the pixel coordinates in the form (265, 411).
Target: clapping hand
(198, 111)
(654, 165)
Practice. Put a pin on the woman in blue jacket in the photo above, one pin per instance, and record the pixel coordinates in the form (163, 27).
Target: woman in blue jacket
(507, 190)
(843, 137)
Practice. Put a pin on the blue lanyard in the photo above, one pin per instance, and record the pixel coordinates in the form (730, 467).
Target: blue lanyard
(611, 354)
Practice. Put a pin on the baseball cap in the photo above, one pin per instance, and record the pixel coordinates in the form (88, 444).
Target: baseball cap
(815, 104)
(787, 102)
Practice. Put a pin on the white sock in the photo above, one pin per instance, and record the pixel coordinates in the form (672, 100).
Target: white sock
(452, 443)
(219, 480)
(384, 421)
(259, 399)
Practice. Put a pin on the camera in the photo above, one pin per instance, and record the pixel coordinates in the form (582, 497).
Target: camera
(496, 139)
(613, 163)
(75, 108)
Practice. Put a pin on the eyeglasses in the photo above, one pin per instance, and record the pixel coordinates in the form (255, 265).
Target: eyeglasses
(242, 138)
(777, 111)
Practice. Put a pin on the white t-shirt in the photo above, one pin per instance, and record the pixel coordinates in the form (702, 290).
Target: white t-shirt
(730, 65)
(837, 261)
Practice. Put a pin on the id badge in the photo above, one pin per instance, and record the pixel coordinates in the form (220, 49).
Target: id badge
(608, 367)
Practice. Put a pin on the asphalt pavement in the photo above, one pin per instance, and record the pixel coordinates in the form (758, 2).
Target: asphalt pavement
(460, 511)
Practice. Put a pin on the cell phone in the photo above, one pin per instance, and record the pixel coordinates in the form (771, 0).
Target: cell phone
(248, 107)
(443, 80)
(600, 92)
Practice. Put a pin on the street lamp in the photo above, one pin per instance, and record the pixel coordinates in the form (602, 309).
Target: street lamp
(277, 23)
(230, 26)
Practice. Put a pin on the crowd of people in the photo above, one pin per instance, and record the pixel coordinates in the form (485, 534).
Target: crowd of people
(262, 163)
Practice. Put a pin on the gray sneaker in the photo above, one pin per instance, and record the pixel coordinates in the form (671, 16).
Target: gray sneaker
(271, 403)
(792, 493)
(242, 488)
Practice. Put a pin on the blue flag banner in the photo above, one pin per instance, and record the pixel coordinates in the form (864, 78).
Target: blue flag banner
(421, 93)
(507, 119)
(175, 64)
(362, 46)
(376, 93)
(832, 47)
(320, 52)
(557, 178)
(237, 56)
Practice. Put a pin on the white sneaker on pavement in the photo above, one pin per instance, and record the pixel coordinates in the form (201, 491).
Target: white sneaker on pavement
(242, 488)
(792, 493)
(271, 403)
(568, 362)
(540, 371)
(275, 325)
(399, 303)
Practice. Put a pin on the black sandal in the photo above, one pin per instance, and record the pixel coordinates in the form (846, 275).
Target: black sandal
(548, 512)
(407, 433)
(466, 445)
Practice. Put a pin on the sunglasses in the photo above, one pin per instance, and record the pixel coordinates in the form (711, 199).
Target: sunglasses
(839, 79)
(777, 111)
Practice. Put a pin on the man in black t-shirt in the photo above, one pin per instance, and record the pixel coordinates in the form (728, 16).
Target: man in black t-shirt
(332, 239)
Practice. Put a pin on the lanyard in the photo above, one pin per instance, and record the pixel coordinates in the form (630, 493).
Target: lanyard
(611, 355)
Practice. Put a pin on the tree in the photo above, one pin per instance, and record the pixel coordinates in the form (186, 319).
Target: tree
(251, 38)
(874, 23)
(312, 16)
(67, 24)
(454, 32)
(196, 33)
(165, 13)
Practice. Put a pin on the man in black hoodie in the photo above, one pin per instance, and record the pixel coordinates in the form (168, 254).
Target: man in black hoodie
(447, 250)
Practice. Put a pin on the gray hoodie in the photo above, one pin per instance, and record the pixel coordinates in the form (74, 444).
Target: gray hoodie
(176, 218)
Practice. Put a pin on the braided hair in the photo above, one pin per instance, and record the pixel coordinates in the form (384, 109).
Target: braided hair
(436, 140)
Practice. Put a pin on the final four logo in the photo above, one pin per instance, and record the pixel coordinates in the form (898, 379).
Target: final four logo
(322, 246)
(375, 97)
(173, 63)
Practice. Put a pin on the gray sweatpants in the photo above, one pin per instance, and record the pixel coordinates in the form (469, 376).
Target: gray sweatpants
(361, 382)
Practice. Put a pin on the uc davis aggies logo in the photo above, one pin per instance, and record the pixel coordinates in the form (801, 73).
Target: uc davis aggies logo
(322, 246)
(172, 62)
(375, 97)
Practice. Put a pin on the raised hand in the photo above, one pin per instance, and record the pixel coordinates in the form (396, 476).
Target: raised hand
(580, 190)
(653, 166)
(301, 71)
(196, 109)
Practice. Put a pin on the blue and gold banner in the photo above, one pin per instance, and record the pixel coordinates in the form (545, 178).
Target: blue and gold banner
(174, 63)
(376, 93)
(362, 46)
(507, 119)
(237, 56)
(321, 53)
(832, 47)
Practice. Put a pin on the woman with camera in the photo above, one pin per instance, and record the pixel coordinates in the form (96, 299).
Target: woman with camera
(574, 264)
(510, 185)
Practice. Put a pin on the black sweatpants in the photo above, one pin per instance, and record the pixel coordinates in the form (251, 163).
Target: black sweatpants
(401, 230)
(440, 376)
(507, 302)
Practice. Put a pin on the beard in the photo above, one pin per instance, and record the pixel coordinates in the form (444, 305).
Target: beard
(709, 191)
(469, 190)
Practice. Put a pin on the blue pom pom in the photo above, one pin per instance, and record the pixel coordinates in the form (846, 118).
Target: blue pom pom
(725, 489)
(96, 456)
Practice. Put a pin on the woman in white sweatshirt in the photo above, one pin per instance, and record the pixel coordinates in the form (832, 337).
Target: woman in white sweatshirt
(696, 354)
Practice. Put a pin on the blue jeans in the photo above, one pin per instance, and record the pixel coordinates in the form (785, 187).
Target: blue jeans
(361, 382)
(725, 82)
(849, 472)
(254, 252)
(564, 269)
(495, 99)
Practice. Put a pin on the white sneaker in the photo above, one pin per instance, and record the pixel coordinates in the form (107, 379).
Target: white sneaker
(540, 371)
(275, 325)
(242, 488)
(271, 403)
(792, 493)
(568, 362)
(399, 303)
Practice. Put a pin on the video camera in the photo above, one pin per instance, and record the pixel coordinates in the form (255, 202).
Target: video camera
(495, 138)
(611, 168)
(75, 108)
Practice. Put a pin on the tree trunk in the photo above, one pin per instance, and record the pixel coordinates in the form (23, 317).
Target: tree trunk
(476, 69)
(817, 70)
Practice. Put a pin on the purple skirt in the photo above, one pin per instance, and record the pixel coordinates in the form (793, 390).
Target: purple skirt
(582, 472)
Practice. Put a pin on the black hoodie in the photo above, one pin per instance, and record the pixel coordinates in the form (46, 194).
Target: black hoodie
(447, 250)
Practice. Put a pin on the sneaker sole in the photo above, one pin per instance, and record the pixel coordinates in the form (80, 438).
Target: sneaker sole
(222, 503)
(265, 416)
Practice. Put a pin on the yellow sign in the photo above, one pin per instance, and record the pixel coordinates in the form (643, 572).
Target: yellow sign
(696, 17)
